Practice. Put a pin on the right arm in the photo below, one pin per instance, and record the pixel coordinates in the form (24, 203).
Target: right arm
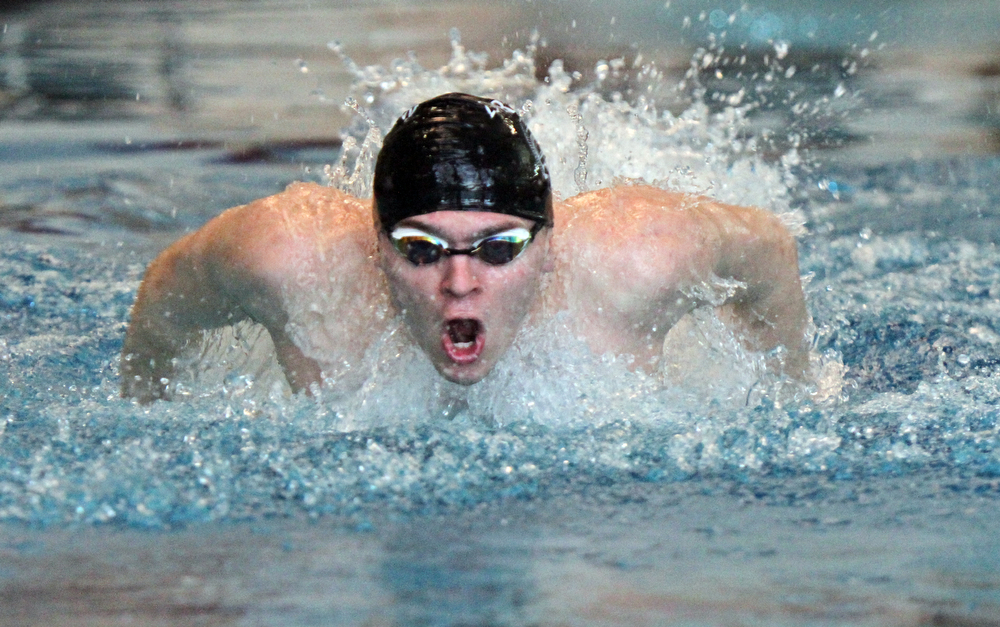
(232, 269)
(161, 326)
(178, 299)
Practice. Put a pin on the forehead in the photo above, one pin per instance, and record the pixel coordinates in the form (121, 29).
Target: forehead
(465, 223)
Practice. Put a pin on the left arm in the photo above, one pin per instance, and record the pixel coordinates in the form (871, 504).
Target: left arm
(756, 249)
(646, 256)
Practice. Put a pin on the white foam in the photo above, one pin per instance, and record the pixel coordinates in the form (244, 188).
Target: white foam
(590, 141)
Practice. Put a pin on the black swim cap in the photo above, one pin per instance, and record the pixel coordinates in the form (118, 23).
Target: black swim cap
(457, 152)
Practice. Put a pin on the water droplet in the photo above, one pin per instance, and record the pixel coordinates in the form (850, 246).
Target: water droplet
(601, 70)
(781, 48)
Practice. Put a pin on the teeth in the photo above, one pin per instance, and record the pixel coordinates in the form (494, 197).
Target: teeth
(464, 344)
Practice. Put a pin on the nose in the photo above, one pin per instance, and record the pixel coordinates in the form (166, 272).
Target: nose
(460, 278)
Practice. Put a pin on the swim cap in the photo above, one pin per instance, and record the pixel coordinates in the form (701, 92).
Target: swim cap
(458, 152)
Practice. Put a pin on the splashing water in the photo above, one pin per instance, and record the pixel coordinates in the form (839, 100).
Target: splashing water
(551, 414)
(584, 135)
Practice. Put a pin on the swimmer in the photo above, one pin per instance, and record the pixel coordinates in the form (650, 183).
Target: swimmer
(464, 241)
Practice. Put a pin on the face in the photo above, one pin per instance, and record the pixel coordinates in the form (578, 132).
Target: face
(463, 312)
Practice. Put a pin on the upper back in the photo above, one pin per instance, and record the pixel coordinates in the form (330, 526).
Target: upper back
(625, 246)
(304, 260)
(305, 227)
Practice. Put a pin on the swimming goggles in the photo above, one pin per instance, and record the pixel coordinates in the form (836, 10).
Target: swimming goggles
(422, 249)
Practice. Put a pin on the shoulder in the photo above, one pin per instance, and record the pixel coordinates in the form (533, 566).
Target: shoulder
(634, 222)
(637, 231)
(637, 210)
(290, 233)
(255, 256)
(304, 211)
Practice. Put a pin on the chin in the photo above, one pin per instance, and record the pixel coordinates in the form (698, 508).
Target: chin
(464, 375)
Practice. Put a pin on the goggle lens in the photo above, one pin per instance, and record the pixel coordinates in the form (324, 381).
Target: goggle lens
(419, 250)
(422, 249)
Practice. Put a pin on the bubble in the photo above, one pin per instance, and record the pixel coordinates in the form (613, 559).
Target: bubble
(766, 27)
(718, 19)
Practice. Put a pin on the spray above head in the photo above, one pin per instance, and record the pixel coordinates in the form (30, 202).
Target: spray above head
(458, 152)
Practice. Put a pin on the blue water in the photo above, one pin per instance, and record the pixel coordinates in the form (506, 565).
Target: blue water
(912, 318)
(585, 496)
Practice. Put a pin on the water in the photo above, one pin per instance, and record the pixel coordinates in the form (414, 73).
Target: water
(604, 499)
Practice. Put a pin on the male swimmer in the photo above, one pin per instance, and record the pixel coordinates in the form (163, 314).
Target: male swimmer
(464, 230)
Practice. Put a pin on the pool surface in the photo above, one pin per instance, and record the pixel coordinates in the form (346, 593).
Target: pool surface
(564, 489)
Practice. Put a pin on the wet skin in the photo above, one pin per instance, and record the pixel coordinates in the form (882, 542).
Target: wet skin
(309, 266)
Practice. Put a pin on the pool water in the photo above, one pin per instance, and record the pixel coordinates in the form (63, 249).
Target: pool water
(564, 489)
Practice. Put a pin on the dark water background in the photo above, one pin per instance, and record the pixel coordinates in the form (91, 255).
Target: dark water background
(125, 124)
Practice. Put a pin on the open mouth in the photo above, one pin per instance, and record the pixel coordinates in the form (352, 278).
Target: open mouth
(463, 340)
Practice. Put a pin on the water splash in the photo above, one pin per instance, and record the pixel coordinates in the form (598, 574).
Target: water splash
(582, 135)
(699, 150)
(552, 415)
(357, 181)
